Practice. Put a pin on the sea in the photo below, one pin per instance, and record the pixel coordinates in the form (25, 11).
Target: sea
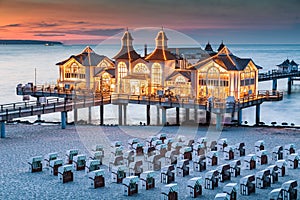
(37, 64)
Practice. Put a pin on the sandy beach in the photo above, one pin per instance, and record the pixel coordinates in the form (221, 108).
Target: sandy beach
(25, 141)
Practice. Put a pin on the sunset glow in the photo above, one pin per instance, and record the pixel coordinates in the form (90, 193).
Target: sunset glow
(91, 20)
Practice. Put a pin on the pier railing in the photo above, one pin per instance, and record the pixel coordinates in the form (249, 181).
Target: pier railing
(274, 74)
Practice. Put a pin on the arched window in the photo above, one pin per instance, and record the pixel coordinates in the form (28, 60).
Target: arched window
(122, 70)
(156, 74)
(180, 80)
(213, 77)
(102, 64)
(141, 68)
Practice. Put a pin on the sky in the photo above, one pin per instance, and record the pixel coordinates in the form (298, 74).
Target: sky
(91, 21)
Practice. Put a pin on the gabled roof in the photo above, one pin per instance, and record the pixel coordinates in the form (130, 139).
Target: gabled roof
(184, 73)
(111, 71)
(86, 58)
(227, 60)
(208, 47)
(221, 46)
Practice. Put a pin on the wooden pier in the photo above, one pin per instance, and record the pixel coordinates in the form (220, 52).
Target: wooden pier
(72, 100)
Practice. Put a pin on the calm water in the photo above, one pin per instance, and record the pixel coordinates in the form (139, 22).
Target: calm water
(17, 64)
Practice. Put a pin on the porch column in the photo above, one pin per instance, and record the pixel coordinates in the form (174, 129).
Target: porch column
(2, 129)
(219, 121)
(120, 115)
(101, 115)
(148, 115)
(163, 116)
(187, 114)
(240, 117)
(177, 116)
(257, 114)
(63, 119)
(196, 115)
(289, 85)
(158, 115)
(208, 117)
(274, 85)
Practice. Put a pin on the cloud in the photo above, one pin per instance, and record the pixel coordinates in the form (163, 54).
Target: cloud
(49, 34)
(100, 32)
(44, 24)
(11, 25)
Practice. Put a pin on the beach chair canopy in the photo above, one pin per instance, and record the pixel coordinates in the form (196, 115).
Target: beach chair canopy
(262, 173)
(116, 143)
(293, 156)
(99, 147)
(250, 157)
(222, 141)
(222, 196)
(195, 181)
(230, 187)
(98, 154)
(133, 140)
(228, 148)
(197, 146)
(223, 167)
(51, 156)
(249, 178)
(273, 168)
(65, 168)
(130, 179)
(116, 169)
(93, 162)
(261, 153)
(152, 138)
(169, 140)
(35, 159)
(169, 188)
(147, 174)
(160, 135)
(274, 194)
(289, 185)
(99, 172)
(239, 145)
(72, 152)
(183, 162)
(289, 146)
(202, 140)
(167, 168)
(280, 163)
(259, 142)
(212, 154)
(277, 149)
(235, 163)
(79, 157)
(56, 162)
(212, 173)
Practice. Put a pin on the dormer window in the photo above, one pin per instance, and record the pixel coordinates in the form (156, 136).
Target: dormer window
(140, 68)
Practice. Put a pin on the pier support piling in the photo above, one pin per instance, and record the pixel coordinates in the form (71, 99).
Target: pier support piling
(125, 113)
(157, 116)
(274, 85)
(240, 117)
(63, 119)
(148, 115)
(90, 115)
(177, 116)
(163, 116)
(187, 114)
(101, 115)
(196, 115)
(257, 114)
(75, 115)
(120, 115)
(289, 85)
(219, 121)
(2, 129)
(208, 117)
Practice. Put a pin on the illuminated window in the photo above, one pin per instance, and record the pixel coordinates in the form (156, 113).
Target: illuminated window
(247, 77)
(156, 74)
(141, 68)
(122, 70)
(102, 65)
(74, 71)
(180, 80)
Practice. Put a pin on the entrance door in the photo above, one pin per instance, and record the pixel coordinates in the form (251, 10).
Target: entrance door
(134, 87)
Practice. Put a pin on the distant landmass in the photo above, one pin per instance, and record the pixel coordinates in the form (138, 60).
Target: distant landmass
(47, 43)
